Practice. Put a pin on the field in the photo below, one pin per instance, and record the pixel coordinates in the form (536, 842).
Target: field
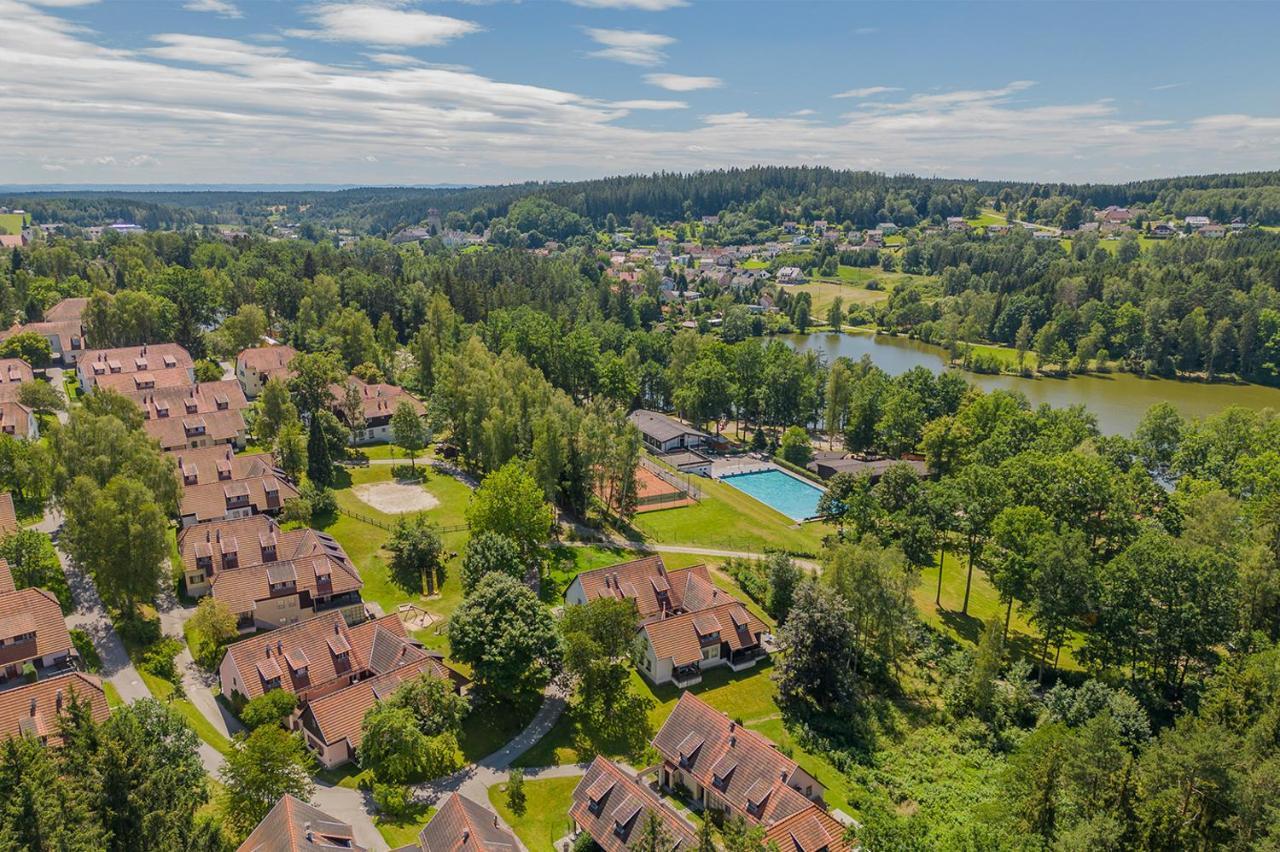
(12, 223)
(850, 285)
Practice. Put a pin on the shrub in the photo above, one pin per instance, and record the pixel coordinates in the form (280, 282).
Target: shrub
(28, 673)
(795, 446)
(394, 800)
(139, 632)
(89, 655)
(269, 709)
(158, 659)
(516, 799)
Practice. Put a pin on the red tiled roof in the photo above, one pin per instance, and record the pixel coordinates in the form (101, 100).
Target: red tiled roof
(67, 310)
(137, 382)
(8, 517)
(15, 418)
(34, 708)
(14, 372)
(461, 824)
(612, 806)
(645, 581)
(247, 538)
(271, 360)
(809, 830)
(320, 576)
(177, 431)
(681, 637)
(31, 611)
(292, 825)
(377, 400)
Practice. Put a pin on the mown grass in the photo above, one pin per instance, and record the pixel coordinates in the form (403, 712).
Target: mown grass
(546, 816)
(729, 519)
(403, 830)
(163, 690)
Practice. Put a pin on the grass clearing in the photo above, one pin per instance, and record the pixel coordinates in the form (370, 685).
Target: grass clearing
(546, 815)
(403, 831)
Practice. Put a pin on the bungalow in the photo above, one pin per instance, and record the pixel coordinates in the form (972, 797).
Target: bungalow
(887, 228)
(873, 467)
(725, 767)
(255, 367)
(292, 825)
(143, 367)
(612, 806)
(1196, 221)
(1212, 231)
(32, 629)
(35, 709)
(957, 223)
(378, 402)
(1115, 215)
(461, 825)
(664, 434)
(1162, 231)
(217, 484)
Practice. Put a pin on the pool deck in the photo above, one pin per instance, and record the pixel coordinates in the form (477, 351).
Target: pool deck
(730, 467)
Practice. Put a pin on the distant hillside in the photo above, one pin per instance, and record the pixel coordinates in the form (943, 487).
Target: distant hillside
(768, 193)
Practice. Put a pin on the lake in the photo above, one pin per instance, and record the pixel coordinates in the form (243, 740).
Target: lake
(1118, 400)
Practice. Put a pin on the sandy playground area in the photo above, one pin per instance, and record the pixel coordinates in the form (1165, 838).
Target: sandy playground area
(395, 498)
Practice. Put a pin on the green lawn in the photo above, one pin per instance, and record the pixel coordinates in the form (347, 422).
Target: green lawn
(546, 816)
(163, 690)
(364, 544)
(113, 694)
(404, 831)
(984, 604)
(728, 519)
(12, 223)
(387, 451)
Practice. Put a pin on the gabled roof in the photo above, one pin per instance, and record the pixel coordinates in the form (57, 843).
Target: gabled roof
(612, 806)
(645, 580)
(28, 611)
(809, 830)
(14, 372)
(67, 310)
(271, 360)
(757, 787)
(377, 400)
(8, 517)
(462, 824)
(177, 430)
(16, 419)
(682, 637)
(190, 398)
(660, 427)
(156, 358)
(241, 588)
(34, 708)
(320, 640)
(254, 474)
(295, 826)
(248, 536)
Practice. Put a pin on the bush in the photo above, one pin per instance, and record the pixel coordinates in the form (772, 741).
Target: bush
(139, 632)
(795, 446)
(516, 799)
(158, 660)
(89, 655)
(269, 709)
(28, 673)
(394, 800)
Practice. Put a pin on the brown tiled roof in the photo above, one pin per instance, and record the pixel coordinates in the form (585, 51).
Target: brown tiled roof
(339, 715)
(168, 363)
(740, 766)
(64, 330)
(320, 576)
(645, 580)
(253, 473)
(320, 639)
(31, 611)
(295, 826)
(8, 517)
(68, 310)
(139, 381)
(461, 824)
(177, 431)
(191, 398)
(378, 400)
(13, 373)
(247, 537)
(6, 578)
(15, 418)
(809, 830)
(681, 637)
(612, 806)
(33, 709)
(269, 360)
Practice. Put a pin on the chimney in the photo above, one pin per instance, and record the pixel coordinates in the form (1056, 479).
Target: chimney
(732, 725)
(466, 835)
(306, 828)
(336, 630)
(279, 647)
(733, 741)
(57, 701)
(268, 650)
(33, 706)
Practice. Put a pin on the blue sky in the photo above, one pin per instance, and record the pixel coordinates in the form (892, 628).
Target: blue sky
(396, 91)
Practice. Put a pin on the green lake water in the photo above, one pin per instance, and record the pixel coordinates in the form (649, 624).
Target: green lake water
(1117, 399)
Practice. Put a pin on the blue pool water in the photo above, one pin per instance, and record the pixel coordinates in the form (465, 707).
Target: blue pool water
(790, 495)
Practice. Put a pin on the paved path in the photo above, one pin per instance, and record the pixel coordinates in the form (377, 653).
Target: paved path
(474, 781)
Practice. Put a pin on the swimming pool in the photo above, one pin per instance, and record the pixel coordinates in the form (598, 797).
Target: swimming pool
(778, 490)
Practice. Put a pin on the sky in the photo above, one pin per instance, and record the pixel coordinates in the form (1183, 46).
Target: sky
(428, 92)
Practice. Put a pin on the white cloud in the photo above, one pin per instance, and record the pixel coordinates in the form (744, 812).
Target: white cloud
(650, 104)
(1166, 86)
(372, 23)
(800, 113)
(866, 92)
(234, 110)
(398, 60)
(630, 46)
(222, 8)
(63, 3)
(866, 30)
(682, 83)
(640, 5)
